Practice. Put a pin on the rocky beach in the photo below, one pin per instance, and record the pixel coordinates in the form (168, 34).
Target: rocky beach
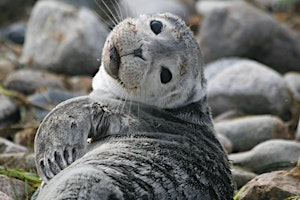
(51, 49)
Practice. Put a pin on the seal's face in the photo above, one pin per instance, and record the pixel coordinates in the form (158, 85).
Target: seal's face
(153, 60)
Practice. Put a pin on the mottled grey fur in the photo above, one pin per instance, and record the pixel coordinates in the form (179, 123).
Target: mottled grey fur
(161, 154)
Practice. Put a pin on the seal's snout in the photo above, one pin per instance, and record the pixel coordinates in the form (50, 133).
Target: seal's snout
(112, 62)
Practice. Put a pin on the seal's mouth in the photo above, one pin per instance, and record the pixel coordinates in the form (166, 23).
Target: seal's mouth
(113, 66)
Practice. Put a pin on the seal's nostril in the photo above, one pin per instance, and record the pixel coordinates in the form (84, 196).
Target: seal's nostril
(139, 53)
(113, 63)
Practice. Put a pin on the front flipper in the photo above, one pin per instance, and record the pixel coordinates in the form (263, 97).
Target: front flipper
(62, 136)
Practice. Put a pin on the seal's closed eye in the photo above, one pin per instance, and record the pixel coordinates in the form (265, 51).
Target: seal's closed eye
(156, 26)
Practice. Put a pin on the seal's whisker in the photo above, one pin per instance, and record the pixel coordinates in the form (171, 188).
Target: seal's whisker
(106, 14)
(130, 103)
(120, 10)
(103, 20)
(121, 98)
(117, 10)
(116, 21)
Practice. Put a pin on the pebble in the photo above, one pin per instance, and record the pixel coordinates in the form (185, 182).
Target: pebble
(25, 137)
(6, 67)
(82, 84)
(241, 177)
(16, 33)
(4, 196)
(28, 81)
(292, 80)
(273, 185)
(7, 146)
(246, 132)
(250, 87)
(25, 161)
(13, 188)
(9, 112)
(48, 99)
(298, 132)
(63, 39)
(269, 155)
(242, 30)
(225, 142)
(216, 67)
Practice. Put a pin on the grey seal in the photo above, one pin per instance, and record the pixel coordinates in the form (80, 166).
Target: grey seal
(145, 132)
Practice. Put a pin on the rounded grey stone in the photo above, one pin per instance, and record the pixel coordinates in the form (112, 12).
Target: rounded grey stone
(269, 155)
(216, 67)
(8, 110)
(241, 177)
(13, 188)
(23, 161)
(4, 196)
(273, 185)
(298, 132)
(63, 39)
(28, 81)
(292, 80)
(246, 132)
(250, 87)
(45, 101)
(244, 31)
(225, 142)
(7, 146)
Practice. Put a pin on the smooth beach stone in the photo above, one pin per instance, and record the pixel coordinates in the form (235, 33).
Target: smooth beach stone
(6, 67)
(225, 142)
(13, 188)
(269, 155)
(250, 87)
(63, 39)
(292, 80)
(272, 185)
(215, 67)
(247, 132)
(298, 132)
(23, 161)
(28, 81)
(48, 100)
(241, 30)
(7, 146)
(241, 177)
(4, 196)
(9, 112)
(16, 33)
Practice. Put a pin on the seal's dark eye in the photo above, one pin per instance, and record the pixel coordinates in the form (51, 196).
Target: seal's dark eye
(165, 75)
(156, 26)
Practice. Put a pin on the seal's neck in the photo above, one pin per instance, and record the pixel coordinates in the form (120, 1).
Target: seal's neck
(197, 112)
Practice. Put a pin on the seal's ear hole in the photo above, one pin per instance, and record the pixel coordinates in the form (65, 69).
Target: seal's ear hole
(165, 75)
(156, 26)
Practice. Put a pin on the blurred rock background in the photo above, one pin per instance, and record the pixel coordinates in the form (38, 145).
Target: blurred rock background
(50, 50)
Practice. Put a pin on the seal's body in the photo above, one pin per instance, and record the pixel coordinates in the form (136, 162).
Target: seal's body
(149, 126)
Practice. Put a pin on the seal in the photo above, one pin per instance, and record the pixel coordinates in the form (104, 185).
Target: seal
(147, 122)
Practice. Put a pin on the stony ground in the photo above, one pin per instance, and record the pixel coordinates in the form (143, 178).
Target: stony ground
(252, 51)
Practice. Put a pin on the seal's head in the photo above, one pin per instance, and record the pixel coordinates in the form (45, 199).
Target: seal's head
(153, 59)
